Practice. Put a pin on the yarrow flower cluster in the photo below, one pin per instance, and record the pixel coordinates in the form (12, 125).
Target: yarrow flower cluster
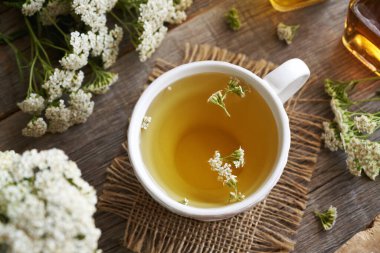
(60, 97)
(86, 42)
(350, 130)
(151, 17)
(45, 205)
(222, 165)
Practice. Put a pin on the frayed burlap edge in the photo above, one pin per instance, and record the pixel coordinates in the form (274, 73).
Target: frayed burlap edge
(268, 227)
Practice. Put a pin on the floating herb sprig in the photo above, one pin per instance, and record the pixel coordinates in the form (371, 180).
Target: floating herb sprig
(223, 166)
(220, 96)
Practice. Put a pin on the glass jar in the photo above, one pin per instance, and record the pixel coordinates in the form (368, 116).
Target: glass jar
(289, 5)
(362, 32)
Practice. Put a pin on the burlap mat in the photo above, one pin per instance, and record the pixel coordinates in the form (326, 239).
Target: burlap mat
(268, 227)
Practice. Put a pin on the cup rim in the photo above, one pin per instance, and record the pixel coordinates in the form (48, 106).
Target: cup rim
(168, 78)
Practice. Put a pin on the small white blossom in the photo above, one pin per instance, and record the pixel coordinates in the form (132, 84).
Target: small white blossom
(35, 128)
(30, 7)
(59, 118)
(146, 122)
(33, 104)
(74, 61)
(81, 106)
(47, 206)
(185, 202)
(93, 12)
(62, 80)
(365, 124)
(111, 46)
(150, 41)
(331, 136)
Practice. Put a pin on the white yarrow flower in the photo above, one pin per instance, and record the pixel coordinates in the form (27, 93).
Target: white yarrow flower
(35, 128)
(149, 41)
(363, 155)
(30, 7)
(62, 80)
(33, 104)
(46, 205)
(59, 118)
(111, 46)
(81, 106)
(331, 136)
(365, 124)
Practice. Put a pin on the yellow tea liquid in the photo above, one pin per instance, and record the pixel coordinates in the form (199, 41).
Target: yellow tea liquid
(186, 131)
(362, 33)
(289, 5)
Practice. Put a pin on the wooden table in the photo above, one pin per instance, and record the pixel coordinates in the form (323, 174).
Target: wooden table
(94, 144)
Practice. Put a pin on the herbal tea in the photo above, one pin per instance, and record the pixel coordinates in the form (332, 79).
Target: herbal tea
(186, 130)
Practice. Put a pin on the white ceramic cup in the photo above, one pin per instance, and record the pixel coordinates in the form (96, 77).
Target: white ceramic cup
(276, 88)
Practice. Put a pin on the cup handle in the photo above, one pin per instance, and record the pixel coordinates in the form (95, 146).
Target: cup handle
(288, 78)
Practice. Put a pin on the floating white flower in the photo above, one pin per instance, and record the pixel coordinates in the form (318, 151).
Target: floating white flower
(222, 166)
(146, 122)
(45, 204)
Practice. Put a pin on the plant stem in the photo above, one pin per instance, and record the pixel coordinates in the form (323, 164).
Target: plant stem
(36, 40)
(366, 100)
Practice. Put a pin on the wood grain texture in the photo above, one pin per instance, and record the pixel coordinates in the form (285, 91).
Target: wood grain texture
(94, 144)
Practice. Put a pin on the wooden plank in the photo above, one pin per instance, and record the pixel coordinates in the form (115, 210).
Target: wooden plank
(94, 144)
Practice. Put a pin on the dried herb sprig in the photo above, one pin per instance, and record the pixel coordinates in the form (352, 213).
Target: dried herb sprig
(287, 32)
(220, 96)
(328, 217)
(233, 19)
